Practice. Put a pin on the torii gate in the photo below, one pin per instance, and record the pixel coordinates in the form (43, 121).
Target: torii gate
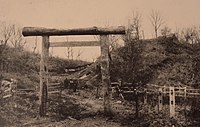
(104, 43)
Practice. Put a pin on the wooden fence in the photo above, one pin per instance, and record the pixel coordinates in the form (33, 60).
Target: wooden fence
(159, 91)
(8, 88)
(54, 88)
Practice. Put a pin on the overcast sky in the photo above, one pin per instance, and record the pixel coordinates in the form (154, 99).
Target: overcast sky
(87, 13)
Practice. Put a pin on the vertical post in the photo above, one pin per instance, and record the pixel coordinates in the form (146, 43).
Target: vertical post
(185, 99)
(164, 89)
(185, 94)
(145, 96)
(104, 40)
(44, 75)
(160, 99)
(136, 104)
(112, 92)
(171, 102)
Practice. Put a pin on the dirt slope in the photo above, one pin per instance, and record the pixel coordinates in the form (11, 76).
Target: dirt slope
(161, 61)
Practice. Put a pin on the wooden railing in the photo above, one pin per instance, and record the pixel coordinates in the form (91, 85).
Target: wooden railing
(159, 91)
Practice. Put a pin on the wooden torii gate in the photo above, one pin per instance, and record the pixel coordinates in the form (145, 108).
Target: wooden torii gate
(104, 43)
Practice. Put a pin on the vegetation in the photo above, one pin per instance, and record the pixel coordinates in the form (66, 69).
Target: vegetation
(172, 59)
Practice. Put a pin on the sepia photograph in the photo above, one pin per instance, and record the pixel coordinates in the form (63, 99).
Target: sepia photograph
(99, 63)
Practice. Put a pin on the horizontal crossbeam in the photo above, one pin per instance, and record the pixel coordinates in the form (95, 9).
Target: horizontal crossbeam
(74, 44)
(39, 31)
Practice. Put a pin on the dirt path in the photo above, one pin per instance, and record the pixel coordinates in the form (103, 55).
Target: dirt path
(73, 110)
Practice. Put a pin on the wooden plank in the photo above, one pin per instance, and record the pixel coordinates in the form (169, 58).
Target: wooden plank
(74, 44)
(114, 83)
(22, 92)
(39, 31)
(58, 86)
(53, 89)
(44, 75)
(27, 90)
(197, 94)
(54, 92)
(54, 84)
(7, 90)
(7, 96)
(104, 40)
(131, 92)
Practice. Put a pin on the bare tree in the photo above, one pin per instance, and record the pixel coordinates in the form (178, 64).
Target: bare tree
(51, 52)
(69, 51)
(72, 53)
(6, 32)
(165, 31)
(35, 45)
(113, 42)
(79, 55)
(5, 36)
(156, 21)
(134, 27)
(191, 35)
(16, 39)
(177, 32)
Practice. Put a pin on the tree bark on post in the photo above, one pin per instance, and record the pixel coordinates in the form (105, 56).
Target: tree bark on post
(104, 40)
(44, 75)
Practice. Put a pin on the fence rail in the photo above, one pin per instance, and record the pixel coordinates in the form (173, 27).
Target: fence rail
(159, 91)
(8, 88)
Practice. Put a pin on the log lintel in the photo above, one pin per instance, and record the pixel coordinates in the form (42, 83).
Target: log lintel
(40, 31)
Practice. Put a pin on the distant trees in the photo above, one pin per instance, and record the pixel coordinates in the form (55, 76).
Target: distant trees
(35, 45)
(69, 53)
(5, 36)
(11, 34)
(134, 27)
(78, 57)
(165, 31)
(17, 40)
(156, 21)
(190, 35)
(6, 32)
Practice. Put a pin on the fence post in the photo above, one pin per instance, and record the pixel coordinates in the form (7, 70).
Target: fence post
(160, 99)
(104, 40)
(44, 75)
(136, 104)
(145, 96)
(171, 101)
(185, 93)
(185, 99)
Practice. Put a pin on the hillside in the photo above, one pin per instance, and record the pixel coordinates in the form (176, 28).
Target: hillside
(24, 66)
(161, 61)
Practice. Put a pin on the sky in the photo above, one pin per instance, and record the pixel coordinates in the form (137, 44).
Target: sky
(102, 13)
